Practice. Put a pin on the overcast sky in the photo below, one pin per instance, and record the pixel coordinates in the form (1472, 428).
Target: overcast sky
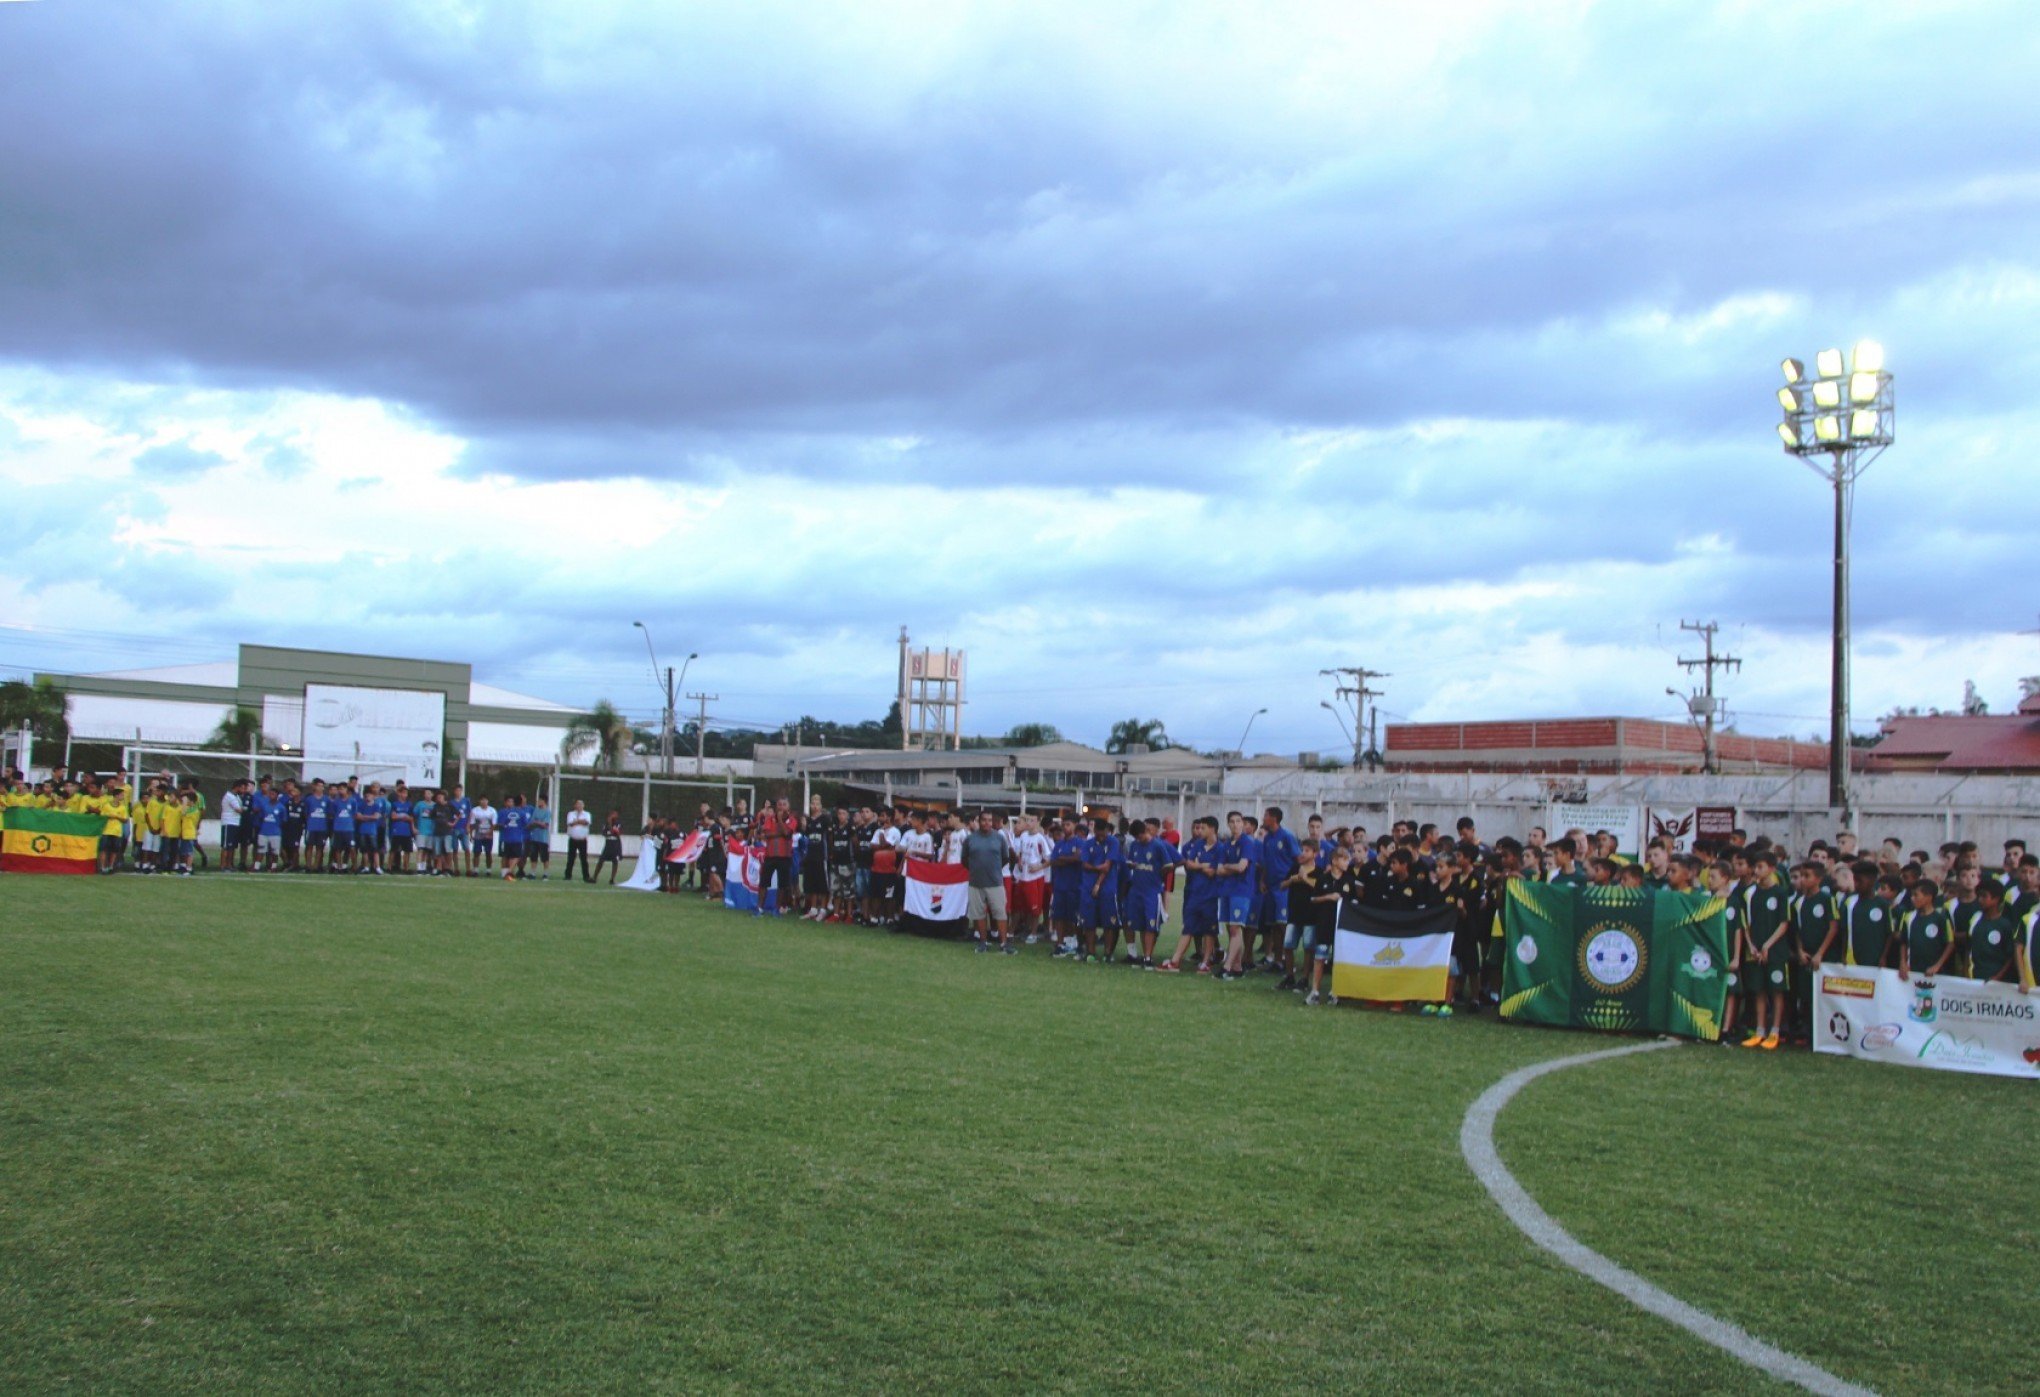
(1158, 355)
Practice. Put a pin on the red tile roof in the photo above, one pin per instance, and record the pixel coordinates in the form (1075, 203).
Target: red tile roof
(1955, 742)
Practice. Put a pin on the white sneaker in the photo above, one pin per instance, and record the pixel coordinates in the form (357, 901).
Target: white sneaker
(1311, 998)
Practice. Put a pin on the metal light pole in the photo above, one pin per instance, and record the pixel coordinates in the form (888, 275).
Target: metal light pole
(664, 679)
(1837, 423)
(1340, 719)
(1242, 748)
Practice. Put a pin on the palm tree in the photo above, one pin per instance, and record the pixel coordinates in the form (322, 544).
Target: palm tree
(238, 731)
(1135, 732)
(40, 705)
(604, 732)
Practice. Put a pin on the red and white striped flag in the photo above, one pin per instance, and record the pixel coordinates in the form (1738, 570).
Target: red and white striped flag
(936, 892)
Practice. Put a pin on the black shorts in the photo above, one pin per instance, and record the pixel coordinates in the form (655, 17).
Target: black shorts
(400, 843)
(293, 835)
(316, 838)
(814, 879)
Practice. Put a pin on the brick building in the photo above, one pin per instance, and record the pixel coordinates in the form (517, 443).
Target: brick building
(1588, 746)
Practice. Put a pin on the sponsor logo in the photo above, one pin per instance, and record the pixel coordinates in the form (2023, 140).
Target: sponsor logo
(1770, 904)
(1612, 957)
(1526, 951)
(1391, 954)
(1944, 1047)
(2032, 1056)
(1880, 1036)
(1839, 1027)
(1921, 1010)
(1962, 1006)
(1848, 986)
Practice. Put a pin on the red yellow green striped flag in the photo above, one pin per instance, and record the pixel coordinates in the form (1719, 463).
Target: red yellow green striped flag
(50, 841)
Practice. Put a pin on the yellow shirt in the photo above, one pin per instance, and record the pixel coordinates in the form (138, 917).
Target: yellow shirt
(188, 817)
(115, 810)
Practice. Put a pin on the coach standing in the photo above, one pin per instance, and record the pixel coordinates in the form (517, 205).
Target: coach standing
(579, 821)
(984, 857)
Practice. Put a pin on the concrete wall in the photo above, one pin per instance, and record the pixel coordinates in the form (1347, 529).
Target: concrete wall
(1922, 810)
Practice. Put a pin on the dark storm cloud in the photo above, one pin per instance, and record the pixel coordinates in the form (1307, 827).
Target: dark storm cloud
(659, 249)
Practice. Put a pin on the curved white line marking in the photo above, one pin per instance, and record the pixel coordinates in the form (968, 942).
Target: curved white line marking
(1477, 1143)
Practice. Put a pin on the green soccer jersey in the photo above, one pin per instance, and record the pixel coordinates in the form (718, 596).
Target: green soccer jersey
(1927, 939)
(1765, 909)
(1869, 929)
(1991, 943)
(1812, 915)
(1573, 879)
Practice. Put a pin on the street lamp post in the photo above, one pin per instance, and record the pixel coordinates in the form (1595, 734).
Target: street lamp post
(664, 679)
(1837, 422)
(1242, 748)
(1340, 719)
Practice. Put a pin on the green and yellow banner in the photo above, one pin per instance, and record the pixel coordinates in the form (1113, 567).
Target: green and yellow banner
(1624, 960)
(50, 841)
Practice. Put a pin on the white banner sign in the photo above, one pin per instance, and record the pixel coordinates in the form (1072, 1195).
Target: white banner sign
(1625, 822)
(375, 733)
(1954, 1024)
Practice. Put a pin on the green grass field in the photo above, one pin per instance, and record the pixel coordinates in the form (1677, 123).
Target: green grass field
(320, 1135)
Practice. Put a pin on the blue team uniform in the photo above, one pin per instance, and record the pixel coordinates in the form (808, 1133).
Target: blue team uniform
(1280, 853)
(1147, 865)
(341, 811)
(1098, 893)
(460, 806)
(318, 820)
(1236, 896)
(1200, 890)
(1064, 880)
(510, 831)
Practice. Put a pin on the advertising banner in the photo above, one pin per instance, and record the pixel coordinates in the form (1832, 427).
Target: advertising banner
(1625, 822)
(353, 731)
(1684, 824)
(1952, 1024)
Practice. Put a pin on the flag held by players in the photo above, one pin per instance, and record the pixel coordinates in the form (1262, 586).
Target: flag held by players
(1389, 953)
(936, 892)
(50, 841)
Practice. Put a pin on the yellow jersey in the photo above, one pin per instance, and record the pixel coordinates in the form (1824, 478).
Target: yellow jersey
(188, 817)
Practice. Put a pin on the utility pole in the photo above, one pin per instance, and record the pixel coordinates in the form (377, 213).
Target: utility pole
(666, 728)
(701, 728)
(1705, 700)
(1357, 692)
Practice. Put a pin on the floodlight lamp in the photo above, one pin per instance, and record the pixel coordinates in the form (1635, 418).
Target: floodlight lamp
(1794, 370)
(1829, 363)
(1788, 400)
(1787, 433)
(1863, 422)
(1863, 386)
(1869, 357)
(1827, 427)
(1827, 393)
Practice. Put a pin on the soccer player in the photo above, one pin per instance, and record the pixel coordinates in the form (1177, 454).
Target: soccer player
(342, 805)
(268, 814)
(1766, 922)
(1098, 893)
(1299, 912)
(1032, 853)
(1817, 937)
(460, 859)
(482, 818)
(1236, 871)
(1199, 860)
(1148, 861)
(403, 822)
(318, 827)
(1993, 937)
(185, 819)
(232, 806)
(510, 822)
(1928, 943)
(1566, 855)
(1279, 851)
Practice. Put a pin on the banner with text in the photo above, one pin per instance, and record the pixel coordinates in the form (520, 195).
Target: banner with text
(1684, 824)
(1625, 822)
(1952, 1024)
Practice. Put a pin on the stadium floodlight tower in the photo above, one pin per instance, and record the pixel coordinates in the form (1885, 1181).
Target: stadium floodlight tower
(1837, 422)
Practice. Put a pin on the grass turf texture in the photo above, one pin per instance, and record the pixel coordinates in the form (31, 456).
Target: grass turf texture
(318, 1134)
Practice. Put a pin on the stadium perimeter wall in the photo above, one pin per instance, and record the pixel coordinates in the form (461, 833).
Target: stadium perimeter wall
(1923, 810)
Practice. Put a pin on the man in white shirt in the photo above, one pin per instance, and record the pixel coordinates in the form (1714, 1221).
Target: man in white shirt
(482, 833)
(232, 806)
(1031, 851)
(579, 822)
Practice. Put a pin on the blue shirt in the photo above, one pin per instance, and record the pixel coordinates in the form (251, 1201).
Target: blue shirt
(460, 809)
(1279, 855)
(369, 813)
(1103, 852)
(316, 813)
(268, 814)
(1065, 877)
(539, 826)
(400, 817)
(342, 809)
(423, 810)
(1246, 883)
(1146, 861)
(1199, 889)
(510, 820)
